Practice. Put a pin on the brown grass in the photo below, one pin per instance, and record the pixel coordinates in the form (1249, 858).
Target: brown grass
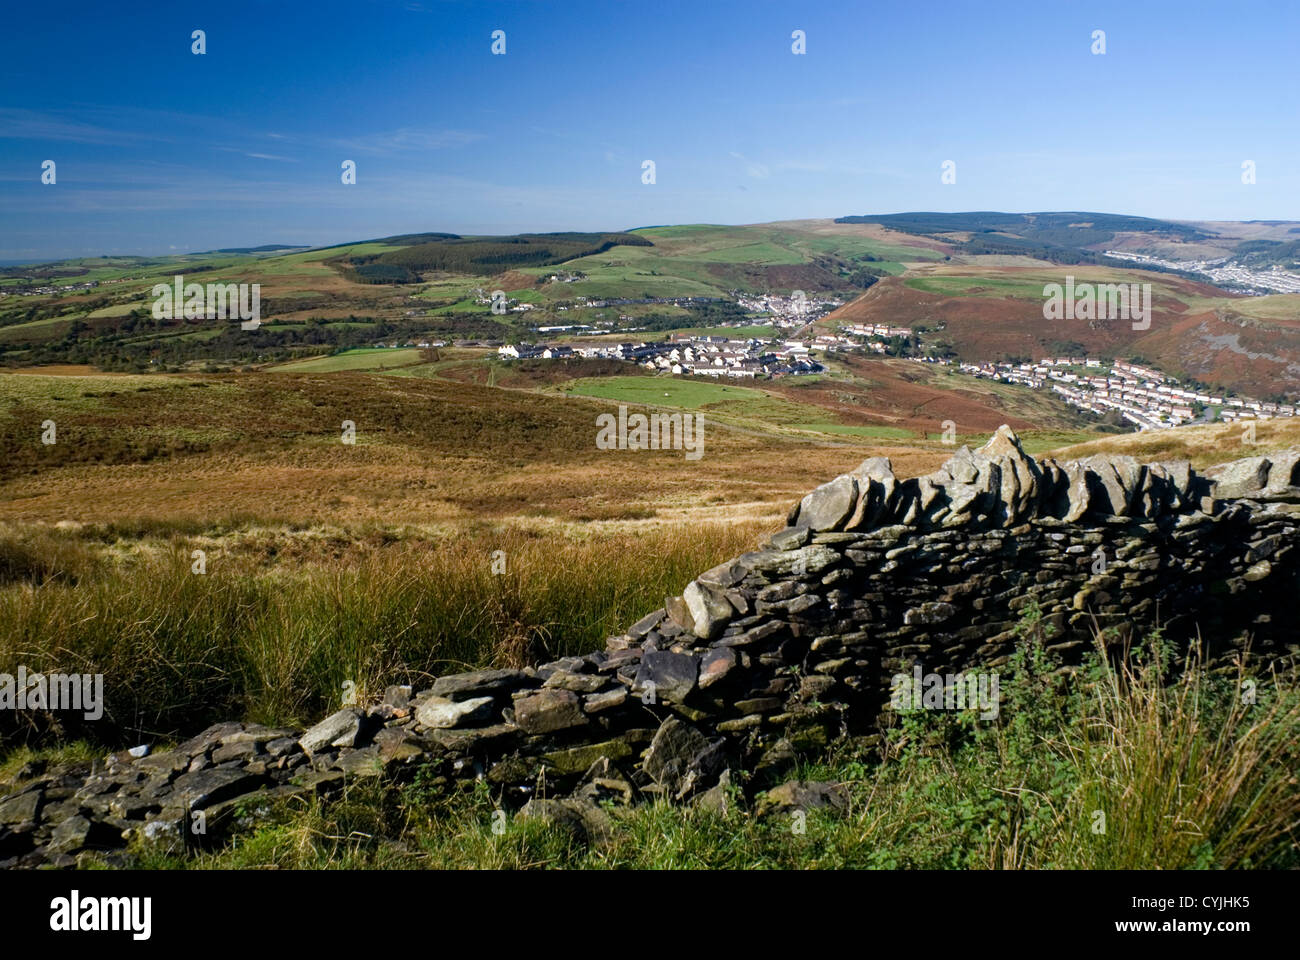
(201, 449)
(1202, 445)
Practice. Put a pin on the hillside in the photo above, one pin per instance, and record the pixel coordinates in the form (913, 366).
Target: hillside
(973, 282)
(766, 692)
(1201, 445)
(1247, 344)
(428, 286)
(1060, 237)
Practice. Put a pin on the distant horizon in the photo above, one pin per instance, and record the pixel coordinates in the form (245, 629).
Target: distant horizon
(37, 261)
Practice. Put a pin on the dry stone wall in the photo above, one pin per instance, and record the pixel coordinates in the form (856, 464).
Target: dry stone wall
(772, 654)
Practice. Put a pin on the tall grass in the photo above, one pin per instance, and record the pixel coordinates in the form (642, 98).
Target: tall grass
(1203, 771)
(278, 644)
(1146, 763)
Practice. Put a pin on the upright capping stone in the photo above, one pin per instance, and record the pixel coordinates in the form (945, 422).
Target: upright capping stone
(1284, 472)
(877, 487)
(920, 498)
(827, 507)
(1168, 484)
(1179, 473)
(710, 612)
(968, 483)
(1114, 483)
(1021, 476)
(1077, 494)
(1240, 478)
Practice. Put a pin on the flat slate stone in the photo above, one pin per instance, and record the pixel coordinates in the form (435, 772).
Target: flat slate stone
(578, 759)
(597, 702)
(674, 675)
(22, 808)
(206, 787)
(791, 538)
(646, 624)
(337, 730)
(478, 683)
(715, 665)
(470, 739)
(549, 710)
(577, 682)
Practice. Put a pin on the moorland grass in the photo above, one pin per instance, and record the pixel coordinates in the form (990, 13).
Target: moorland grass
(276, 642)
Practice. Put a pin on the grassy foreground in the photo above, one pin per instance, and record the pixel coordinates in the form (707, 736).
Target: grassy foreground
(1104, 768)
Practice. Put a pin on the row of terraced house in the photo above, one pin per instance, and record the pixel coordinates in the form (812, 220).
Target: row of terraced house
(1141, 395)
(699, 356)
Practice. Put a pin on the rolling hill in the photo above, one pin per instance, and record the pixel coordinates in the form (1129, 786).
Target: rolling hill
(1059, 237)
(974, 281)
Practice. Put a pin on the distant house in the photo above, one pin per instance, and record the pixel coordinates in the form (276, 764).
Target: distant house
(522, 351)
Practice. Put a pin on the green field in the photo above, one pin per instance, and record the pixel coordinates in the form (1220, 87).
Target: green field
(712, 260)
(663, 391)
(364, 358)
(34, 329)
(734, 333)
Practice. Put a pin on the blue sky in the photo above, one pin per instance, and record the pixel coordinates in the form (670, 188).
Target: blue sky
(160, 150)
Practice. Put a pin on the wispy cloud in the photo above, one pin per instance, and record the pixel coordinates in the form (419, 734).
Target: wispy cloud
(268, 156)
(408, 138)
(756, 170)
(17, 123)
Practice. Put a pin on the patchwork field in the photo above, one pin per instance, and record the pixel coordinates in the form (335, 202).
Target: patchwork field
(301, 285)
